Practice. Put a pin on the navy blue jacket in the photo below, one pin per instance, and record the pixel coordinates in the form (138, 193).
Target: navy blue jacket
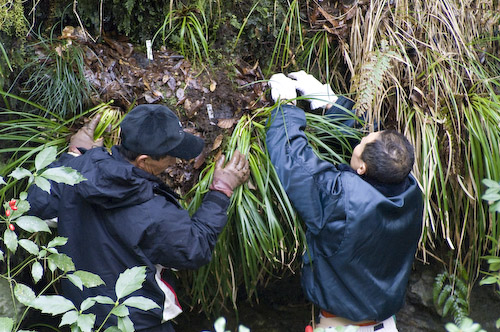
(122, 217)
(362, 236)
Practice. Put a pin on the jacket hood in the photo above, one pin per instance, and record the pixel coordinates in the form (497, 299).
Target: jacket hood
(112, 181)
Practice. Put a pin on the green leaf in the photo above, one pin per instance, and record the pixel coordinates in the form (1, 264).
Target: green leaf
(24, 294)
(2, 181)
(220, 324)
(140, 302)
(45, 157)
(52, 304)
(29, 246)
(62, 261)
(243, 328)
(57, 241)
(42, 183)
(120, 311)
(22, 207)
(75, 280)
(89, 280)
(69, 318)
(125, 324)
(10, 240)
(52, 265)
(497, 324)
(37, 271)
(23, 196)
(490, 183)
(447, 305)
(495, 207)
(87, 303)
(129, 281)
(102, 299)
(489, 281)
(32, 224)
(86, 322)
(2, 258)
(6, 324)
(20, 173)
(112, 329)
(66, 175)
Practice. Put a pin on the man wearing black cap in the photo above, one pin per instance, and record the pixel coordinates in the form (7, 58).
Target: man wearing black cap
(123, 215)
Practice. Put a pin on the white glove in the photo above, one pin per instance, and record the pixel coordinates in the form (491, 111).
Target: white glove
(282, 87)
(319, 94)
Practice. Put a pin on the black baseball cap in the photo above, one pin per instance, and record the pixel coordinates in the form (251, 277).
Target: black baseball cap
(153, 129)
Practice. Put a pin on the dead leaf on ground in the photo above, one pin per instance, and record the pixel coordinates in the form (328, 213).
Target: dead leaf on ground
(226, 123)
(217, 142)
(200, 159)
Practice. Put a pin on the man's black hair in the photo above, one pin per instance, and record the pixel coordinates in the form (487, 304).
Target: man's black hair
(389, 158)
(131, 155)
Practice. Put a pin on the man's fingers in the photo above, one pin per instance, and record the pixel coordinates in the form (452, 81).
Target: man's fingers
(220, 162)
(242, 162)
(297, 74)
(93, 123)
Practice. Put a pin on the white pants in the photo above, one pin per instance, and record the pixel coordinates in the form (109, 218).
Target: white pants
(330, 324)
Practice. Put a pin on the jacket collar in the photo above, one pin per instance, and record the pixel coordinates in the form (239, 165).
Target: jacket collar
(387, 189)
(160, 187)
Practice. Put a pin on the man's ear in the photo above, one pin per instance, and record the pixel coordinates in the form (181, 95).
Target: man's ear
(362, 168)
(140, 161)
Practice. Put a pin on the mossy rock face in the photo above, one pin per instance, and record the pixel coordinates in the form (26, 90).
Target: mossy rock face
(7, 307)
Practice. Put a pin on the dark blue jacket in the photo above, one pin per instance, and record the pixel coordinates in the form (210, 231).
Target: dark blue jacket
(122, 217)
(361, 236)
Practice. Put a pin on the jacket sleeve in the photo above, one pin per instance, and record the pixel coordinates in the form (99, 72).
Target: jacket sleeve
(342, 114)
(312, 184)
(180, 241)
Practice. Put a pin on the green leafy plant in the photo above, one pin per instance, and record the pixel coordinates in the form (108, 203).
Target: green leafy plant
(264, 236)
(24, 134)
(56, 77)
(220, 326)
(493, 274)
(22, 230)
(12, 20)
(186, 29)
(450, 294)
(289, 39)
(492, 194)
(369, 82)
(467, 325)
(108, 127)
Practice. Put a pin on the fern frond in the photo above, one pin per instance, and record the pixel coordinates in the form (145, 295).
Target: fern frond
(445, 293)
(438, 285)
(370, 80)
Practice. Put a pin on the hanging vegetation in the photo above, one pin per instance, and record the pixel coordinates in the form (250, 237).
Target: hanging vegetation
(427, 68)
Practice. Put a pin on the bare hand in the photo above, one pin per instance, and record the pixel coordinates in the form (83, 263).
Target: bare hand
(84, 138)
(229, 177)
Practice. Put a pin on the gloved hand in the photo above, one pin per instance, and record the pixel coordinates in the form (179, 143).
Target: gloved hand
(282, 87)
(84, 137)
(320, 94)
(229, 177)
